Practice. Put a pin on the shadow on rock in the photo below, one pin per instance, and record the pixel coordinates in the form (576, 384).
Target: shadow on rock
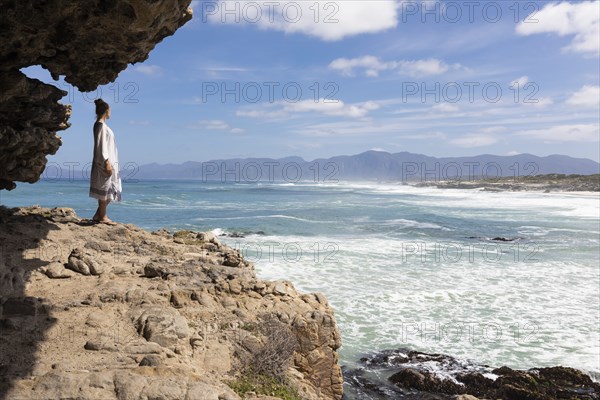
(24, 320)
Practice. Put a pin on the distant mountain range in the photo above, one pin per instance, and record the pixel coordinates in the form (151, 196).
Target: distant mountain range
(367, 166)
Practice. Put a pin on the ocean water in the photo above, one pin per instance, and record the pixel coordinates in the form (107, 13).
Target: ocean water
(402, 266)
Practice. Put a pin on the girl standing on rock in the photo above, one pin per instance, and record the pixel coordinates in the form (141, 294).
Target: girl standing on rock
(105, 180)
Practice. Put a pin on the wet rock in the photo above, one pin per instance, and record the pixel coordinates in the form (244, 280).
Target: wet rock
(503, 239)
(424, 381)
(422, 375)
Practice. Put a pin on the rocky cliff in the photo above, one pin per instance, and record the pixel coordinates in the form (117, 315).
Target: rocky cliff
(89, 42)
(91, 311)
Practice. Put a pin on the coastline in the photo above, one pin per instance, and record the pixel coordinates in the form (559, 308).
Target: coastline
(185, 306)
(553, 183)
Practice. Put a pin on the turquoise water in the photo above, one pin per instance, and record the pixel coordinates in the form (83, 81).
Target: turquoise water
(402, 266)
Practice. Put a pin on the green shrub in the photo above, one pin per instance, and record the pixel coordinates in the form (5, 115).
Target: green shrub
(263, 384)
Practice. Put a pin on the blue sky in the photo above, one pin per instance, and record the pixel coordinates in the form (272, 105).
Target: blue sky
(372, 75)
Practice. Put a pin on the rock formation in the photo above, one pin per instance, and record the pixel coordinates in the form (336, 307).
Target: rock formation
(91, 311)
(410, 374)
(89, 42)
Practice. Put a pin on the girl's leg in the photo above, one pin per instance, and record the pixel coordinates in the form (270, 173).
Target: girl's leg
(96, 216)
(102, 209)
(103, 205)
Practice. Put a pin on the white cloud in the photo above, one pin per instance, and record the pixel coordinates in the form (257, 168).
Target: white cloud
(484, 137)
(327, 107)
(520, 82)
(513, 153)
(337, 108)
(431, 66)
(215, 125)
(220, 72)
(425, 136)
(372, 66)
(494, 129)
(579, 19)
(149, 70)
(542, 102)
(588, 97)
(261, 114)
(326, 20)
(445, 108)
(475, 140)
(565, 133)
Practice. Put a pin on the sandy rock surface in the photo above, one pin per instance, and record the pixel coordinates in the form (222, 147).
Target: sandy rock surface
(92, 311)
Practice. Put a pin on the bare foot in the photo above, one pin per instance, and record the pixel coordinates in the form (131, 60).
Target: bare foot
(108, 222)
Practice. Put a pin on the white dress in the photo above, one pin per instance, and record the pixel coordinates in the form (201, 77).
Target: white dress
(102, 186)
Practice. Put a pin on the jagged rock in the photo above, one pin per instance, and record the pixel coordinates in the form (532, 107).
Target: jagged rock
(89, 43)
(196, 324)
(151, 360)
(283, 288)
(152, 270)
(233, 259)
(162, 326)
(438, 376)
(29, 118)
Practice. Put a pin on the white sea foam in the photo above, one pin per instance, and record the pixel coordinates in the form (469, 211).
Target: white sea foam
(218, 231)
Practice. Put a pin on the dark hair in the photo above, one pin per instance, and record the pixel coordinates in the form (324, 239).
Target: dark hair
(101, 107)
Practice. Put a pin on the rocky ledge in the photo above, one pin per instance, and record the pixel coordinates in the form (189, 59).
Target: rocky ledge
(91, 311)
(409, 374)
(89, 42)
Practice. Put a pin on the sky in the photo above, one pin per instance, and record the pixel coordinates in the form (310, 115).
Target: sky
(324, 78)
